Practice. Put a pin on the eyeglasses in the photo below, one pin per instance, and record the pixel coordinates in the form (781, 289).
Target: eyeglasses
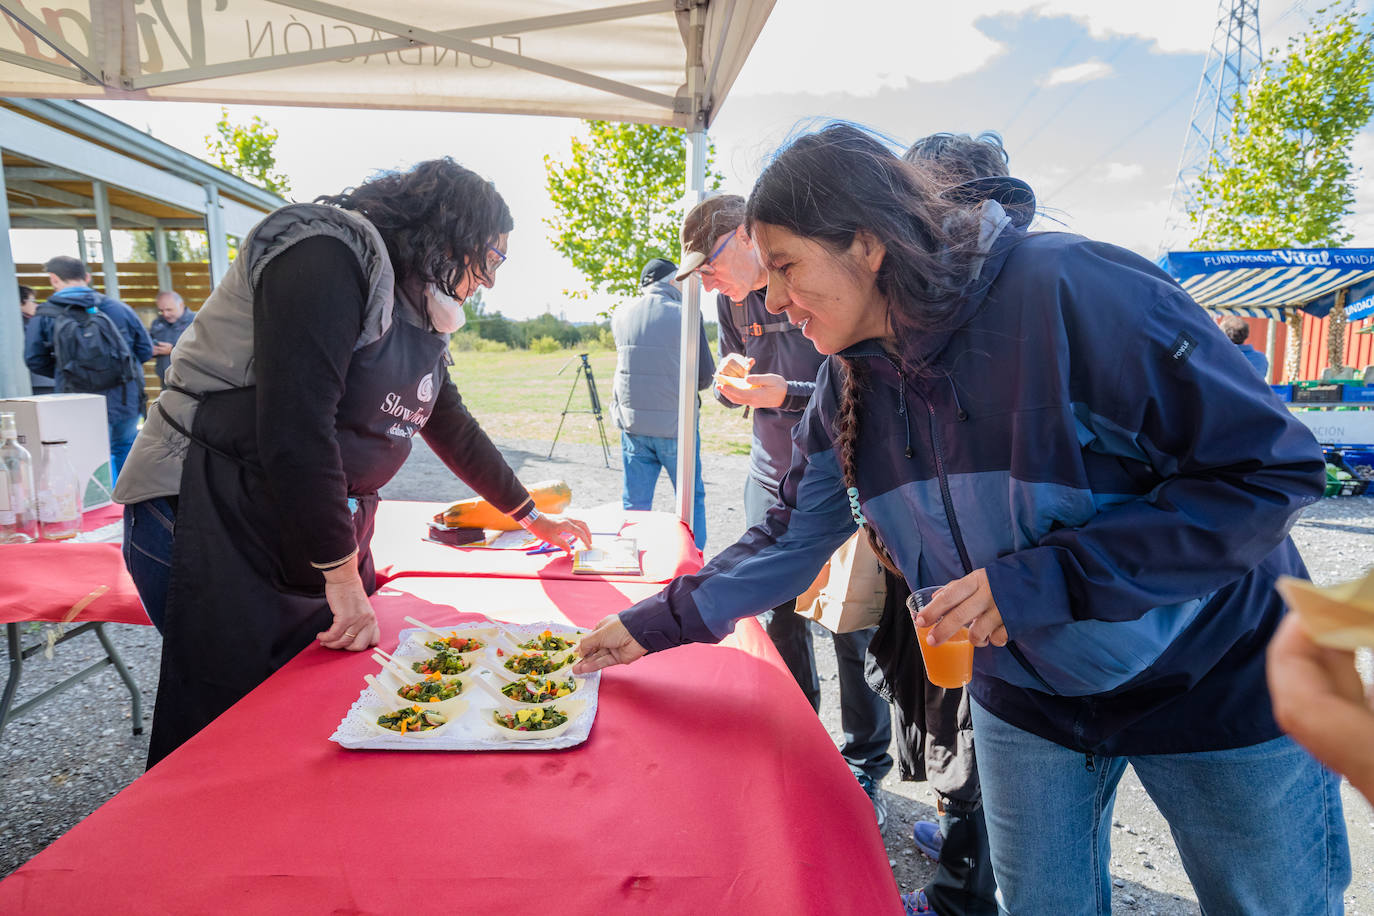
(708, 266)
(497, 261)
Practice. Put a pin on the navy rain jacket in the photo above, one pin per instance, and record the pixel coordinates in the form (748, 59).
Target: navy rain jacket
(123, 402)
(1090, 438)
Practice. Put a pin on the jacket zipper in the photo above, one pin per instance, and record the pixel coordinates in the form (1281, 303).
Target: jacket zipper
(954, 525)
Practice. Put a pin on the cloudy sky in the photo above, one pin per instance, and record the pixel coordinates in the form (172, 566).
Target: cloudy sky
(1092, 98)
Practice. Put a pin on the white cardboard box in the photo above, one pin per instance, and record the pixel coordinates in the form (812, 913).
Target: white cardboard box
(81, 420)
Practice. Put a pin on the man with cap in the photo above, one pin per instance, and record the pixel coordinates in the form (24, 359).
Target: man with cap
(717, 247)
(644, 398)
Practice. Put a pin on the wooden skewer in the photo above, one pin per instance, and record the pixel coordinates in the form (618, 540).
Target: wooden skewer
(424, 626)
(410, 677)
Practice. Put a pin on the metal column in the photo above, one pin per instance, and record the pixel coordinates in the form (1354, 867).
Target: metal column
(109, 268)
(14, 375)
(218, 241)
(164, 272)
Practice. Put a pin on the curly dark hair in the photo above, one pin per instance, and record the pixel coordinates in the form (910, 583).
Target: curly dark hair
(962, 157)
(437, 219)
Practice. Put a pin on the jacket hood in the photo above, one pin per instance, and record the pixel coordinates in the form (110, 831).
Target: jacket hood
(998, 235)
(73, 297)
(664, 289)
(1014, 196)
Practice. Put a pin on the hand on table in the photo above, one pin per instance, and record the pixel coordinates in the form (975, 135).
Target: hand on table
(609, 644)
(965, 602)
(767, 390)
(1320, 701)
(355, 624)
(561, 532)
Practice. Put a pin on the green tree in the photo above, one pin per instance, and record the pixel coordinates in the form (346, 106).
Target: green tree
(1291, 181)
(617, 201)
(248, 151)
(181, 246)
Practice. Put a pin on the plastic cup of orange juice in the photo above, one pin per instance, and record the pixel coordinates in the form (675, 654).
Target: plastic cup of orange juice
(949, 664)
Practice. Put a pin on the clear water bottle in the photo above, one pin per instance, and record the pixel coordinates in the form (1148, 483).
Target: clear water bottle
(18, 509)
(59, 493)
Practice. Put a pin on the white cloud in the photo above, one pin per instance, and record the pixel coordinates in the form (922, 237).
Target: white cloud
(1123, 171)
(1077, 73)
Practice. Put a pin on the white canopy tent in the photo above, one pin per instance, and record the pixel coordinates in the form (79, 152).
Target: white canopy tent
(657, 61)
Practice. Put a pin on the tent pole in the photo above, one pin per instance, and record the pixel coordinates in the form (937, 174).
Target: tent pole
(164, 273)
(14, 375)
(109, 268)
(689, 351)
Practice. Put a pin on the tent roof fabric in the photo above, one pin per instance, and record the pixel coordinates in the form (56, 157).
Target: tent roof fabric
(1262, 283)
(609, 60)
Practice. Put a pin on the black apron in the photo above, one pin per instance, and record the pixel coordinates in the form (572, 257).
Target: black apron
(243, 598)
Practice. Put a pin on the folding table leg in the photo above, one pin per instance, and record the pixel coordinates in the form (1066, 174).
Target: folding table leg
(117, 660)
(16, 669)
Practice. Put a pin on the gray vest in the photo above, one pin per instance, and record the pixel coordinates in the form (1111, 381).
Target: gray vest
(647, 334)
(216, 352)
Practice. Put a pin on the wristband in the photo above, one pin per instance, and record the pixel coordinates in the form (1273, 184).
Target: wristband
(527, 521)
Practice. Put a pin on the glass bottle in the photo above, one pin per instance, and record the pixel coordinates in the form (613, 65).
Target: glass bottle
(18, 515)
(59, 493)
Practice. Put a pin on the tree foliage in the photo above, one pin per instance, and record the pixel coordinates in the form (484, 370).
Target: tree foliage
(248, 151)
(1291, 179)
(617, 201)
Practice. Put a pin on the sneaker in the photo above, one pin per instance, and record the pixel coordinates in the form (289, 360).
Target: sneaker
(879, 805)
(916, 905)
(928, 839)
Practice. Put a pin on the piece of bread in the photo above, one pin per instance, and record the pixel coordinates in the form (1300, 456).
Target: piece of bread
(733, 365)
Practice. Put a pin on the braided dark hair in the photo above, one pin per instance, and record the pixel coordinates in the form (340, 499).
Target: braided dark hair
(846, 446)
(437, 220)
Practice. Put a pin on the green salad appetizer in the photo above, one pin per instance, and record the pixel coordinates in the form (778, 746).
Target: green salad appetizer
(444, 662)
(431, 690)
(411, 719)
(531, 720)
(534, 663)
(538, 691)
(548, 641)
(455, 643)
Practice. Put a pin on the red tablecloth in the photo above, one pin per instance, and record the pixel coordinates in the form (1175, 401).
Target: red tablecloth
(707, 786)
(399, 548)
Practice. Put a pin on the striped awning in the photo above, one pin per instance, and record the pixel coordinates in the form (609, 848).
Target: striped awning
(1263, 283)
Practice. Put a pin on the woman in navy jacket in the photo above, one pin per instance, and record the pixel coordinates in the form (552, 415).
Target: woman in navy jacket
(1050, 428)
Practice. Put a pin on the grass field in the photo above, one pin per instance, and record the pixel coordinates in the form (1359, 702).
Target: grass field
(519, 395)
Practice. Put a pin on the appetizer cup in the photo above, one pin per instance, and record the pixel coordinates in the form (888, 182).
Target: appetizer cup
(531, 718)
(426, 642)
(392, 686)
(497, 690)
(514, 665)
(370, 715)
(548, 641)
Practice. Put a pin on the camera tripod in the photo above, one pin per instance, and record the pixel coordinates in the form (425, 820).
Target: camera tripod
(584, 370)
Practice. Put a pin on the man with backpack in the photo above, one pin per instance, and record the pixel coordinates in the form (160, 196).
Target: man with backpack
(94, 344)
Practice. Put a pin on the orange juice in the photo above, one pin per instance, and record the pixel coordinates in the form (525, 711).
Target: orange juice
(950, 664)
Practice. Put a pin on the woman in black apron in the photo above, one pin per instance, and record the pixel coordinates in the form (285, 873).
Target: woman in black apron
(332, 332)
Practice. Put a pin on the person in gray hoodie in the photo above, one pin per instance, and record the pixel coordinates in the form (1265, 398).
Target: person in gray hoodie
(644, 399)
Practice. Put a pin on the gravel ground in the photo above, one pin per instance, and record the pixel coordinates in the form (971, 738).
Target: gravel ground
(61, 761)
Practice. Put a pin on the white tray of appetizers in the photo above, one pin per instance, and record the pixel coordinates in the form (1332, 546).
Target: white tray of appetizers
(480, 686)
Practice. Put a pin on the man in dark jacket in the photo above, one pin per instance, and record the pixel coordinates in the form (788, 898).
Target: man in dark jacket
(73, 293)
(716, 246)
(644, 399)
(1238, 332)
(173, 318)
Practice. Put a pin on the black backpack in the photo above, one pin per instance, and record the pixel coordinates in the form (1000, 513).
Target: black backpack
(92, 354)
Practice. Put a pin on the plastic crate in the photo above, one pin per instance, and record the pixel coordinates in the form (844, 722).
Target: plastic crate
(1326, 393)
(1285, 392)
(1358, 395)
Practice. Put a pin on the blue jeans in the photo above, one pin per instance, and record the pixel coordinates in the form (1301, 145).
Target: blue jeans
(122, 435)
(148, 530)
(864, 716)
(642, 457)
(1259, 829)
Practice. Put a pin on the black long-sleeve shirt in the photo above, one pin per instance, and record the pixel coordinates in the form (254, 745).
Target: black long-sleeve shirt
(308, 313)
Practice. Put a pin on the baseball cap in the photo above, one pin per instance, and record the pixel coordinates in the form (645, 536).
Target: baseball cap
(706, 222)
(656, 269)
